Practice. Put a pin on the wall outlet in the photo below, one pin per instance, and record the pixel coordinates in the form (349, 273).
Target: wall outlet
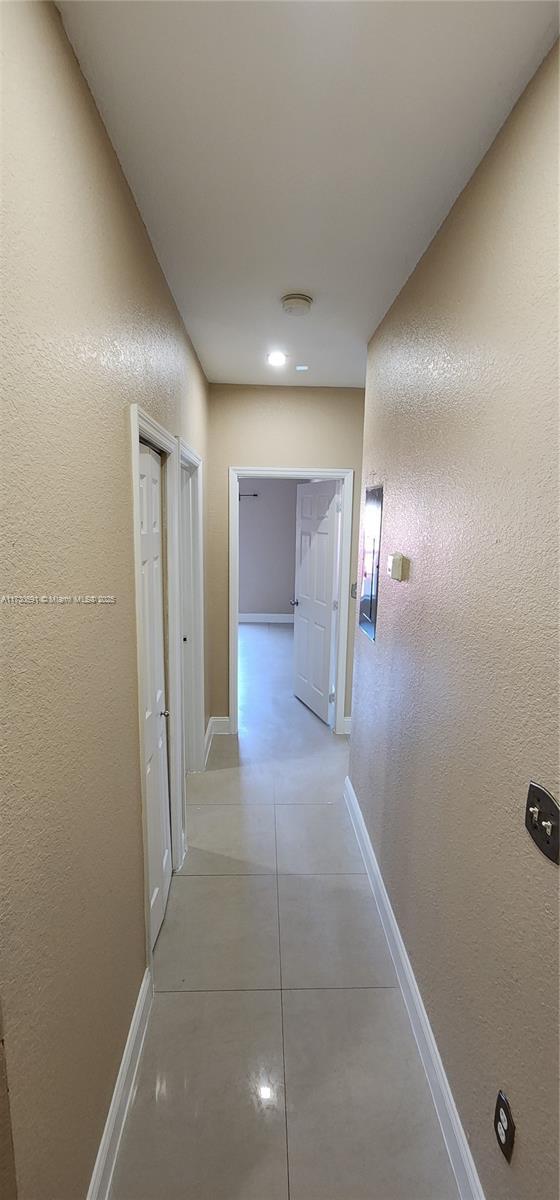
(504, 1126)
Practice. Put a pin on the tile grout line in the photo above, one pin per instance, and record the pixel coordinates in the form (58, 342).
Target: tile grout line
(360, 987)
(225, 875)
(281, 999)
(203, 802)
(271, 875)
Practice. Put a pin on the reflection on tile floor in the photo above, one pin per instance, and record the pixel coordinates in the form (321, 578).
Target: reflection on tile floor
(279, 1062)
(208, 1119)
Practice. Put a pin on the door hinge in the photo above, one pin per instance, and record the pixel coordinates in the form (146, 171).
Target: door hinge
(335, 605)
(338, 507)
(332, 697)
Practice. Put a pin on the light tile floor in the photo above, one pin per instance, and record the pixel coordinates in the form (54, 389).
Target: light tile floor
(279, 1062)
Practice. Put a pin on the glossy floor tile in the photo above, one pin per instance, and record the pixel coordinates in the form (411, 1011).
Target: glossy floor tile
(273, 725)
(330, 933)
(361, 1123)
(312, 779)
(272, 948)
(219, 932)
(316, 839)
(230, 840)
(232, 785)
(207, 1121)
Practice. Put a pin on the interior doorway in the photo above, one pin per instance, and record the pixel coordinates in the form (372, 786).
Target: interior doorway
(300, 591)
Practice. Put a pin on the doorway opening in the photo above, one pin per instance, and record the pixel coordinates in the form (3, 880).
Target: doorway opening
(290, 548)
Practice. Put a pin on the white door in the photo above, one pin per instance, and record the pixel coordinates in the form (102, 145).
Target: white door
(317, 525)
(153, 689)
(186, 618)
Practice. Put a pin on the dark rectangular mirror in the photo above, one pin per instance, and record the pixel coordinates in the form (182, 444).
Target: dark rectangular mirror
(371, 542)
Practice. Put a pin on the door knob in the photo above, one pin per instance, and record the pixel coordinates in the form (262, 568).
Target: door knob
(294, 603)
(165, 713)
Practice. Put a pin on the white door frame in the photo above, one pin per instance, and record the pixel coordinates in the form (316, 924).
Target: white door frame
(143, 426)
(346, 477)
(191, 527)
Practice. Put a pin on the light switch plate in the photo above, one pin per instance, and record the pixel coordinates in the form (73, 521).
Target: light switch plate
(395, 566)
(542, 819)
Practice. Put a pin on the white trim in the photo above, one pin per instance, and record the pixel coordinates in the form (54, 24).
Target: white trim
(458, 1148)
(192, 611)
(123, 1091)
(347, 728)
(266, 618)
(207, 740)
(233, 519)
(335, 622)
(216, 727)
(189, 457)
(346, 477)
(220, 725)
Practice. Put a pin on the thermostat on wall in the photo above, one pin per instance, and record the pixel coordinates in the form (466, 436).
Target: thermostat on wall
(395, 566)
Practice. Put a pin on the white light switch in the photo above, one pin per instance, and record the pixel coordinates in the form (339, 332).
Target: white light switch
(395, 566)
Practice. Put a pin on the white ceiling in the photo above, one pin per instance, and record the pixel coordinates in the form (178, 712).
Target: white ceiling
(304, 146)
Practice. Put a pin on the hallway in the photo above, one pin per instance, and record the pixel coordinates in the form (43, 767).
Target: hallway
(249, 250)
(279, 1060)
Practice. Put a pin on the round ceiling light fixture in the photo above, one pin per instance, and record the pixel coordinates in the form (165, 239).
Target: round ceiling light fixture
(296, 304)
(276, 358)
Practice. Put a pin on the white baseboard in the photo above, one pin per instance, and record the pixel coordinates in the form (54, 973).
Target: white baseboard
(207, 740)
(183, 852)
(266, 618)
(122, 1093)
(347, 726)
(216, 727)
(458, 1148)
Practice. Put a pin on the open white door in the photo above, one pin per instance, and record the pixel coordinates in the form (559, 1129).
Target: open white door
(316, 558)
(153, 690)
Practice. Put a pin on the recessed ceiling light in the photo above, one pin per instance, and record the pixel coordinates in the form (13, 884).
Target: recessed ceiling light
(301, 367)
(276, 358)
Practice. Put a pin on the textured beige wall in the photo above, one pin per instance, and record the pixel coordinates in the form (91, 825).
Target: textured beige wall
(455, 704)
(89, 328)
(270, 427)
